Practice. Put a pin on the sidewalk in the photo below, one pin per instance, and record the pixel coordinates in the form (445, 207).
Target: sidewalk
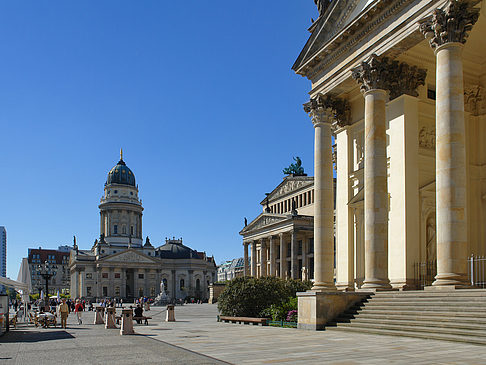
(196, 329)
(89, 344)
(196, 333)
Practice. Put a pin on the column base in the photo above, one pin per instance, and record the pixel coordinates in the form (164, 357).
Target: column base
(376, 285)
(323, 287)
(451, 280)
(316, 308)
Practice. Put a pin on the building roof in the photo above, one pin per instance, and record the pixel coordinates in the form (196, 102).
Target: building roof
(121, 174)
(174, 249)
(43, 255)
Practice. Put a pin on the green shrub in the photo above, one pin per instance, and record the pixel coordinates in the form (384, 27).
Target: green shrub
(254, 297)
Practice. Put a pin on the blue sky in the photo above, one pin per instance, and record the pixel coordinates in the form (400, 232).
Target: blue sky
(200, 95)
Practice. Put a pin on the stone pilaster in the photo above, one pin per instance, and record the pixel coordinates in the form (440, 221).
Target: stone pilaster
(447, 31)
(245, 259)
(272, 256)
(323, 112)
(253, 259)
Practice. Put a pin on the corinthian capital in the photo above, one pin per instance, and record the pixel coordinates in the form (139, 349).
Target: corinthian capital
(396, 77)
(374, 73)
(328, 109)
(450, 25)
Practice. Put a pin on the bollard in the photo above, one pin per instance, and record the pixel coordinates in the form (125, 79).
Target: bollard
(170, 313)
(110, 317)
(126, 322)
(100, 311)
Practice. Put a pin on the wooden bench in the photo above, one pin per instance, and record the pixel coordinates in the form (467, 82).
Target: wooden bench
(245, 320)
(142, 318)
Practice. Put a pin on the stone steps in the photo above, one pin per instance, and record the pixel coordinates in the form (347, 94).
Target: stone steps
(453, 316)
(428, 336)
(411, 316)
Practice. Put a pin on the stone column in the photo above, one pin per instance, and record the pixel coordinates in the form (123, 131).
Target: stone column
(263, 257)
(373, 76)
(447, 31)
(294, 261)
(305, 267)
(272, 256)
(283, 257)
(245, 259)
(253, 258)
(322, 115)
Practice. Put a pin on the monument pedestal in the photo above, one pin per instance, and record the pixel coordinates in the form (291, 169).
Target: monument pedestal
(316, 309)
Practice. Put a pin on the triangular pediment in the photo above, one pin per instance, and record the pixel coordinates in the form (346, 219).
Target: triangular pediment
(337, 16)
(129, 256)
(264, 219)
(289, 185)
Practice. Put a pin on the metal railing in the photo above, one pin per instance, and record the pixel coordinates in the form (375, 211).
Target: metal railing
(425, 273)
(476, 267)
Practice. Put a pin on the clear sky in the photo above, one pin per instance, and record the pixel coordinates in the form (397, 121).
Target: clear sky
(200, 95)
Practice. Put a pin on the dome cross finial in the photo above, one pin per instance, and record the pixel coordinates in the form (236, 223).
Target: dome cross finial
(121, 153)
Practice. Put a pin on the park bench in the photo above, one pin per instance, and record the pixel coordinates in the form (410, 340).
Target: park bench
(142, 318)
(245, 320)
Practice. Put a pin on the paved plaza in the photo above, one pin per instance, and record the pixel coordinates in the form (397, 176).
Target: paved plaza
(197, 338)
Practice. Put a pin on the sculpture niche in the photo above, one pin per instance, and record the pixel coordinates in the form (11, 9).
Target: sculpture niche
(295, 169)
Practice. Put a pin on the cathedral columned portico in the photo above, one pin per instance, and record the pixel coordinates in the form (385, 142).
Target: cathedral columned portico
(410, 177)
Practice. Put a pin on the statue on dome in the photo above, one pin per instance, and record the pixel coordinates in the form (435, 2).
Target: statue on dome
(295, 169)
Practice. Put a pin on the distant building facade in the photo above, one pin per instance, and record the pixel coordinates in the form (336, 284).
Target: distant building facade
(281, 238)
(3, 255)
(59, 261)
(231, 269)
(121, 265)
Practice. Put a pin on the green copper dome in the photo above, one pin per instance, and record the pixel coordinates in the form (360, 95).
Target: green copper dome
(121, 174)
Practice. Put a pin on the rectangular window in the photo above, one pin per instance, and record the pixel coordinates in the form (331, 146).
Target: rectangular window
(152, 292)
(131, 230)
(117, 291)
(431, 93)
(115, 229)
(104, 275)
(89, 275)
(88, 291)
(105, 291)
(117, 275)
(140, 276)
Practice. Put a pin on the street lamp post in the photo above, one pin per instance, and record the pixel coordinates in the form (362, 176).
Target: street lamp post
(47, 271)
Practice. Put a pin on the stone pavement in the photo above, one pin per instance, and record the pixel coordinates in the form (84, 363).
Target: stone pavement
(89, 344)
(196, 334)
(196, 329)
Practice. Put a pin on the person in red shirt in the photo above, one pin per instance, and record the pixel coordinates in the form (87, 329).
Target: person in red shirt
(78, 308)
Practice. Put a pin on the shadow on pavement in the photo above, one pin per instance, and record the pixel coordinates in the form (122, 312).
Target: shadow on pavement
(34, 336)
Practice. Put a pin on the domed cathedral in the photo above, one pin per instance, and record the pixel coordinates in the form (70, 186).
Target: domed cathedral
(120, 208)
(120, 265)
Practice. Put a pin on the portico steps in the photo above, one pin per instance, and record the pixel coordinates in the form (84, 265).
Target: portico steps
(450, 315)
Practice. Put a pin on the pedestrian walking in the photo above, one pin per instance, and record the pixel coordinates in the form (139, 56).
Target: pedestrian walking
(64, 312)
(78, 309)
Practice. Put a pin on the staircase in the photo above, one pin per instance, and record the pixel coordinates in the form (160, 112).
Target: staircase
(450, 315)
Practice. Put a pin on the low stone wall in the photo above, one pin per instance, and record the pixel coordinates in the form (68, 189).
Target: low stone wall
(214, 291)
(316, 309)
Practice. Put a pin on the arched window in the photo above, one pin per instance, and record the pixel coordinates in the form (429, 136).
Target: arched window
(115, 229)
(181, 284)
(164, 282)
(198, 284)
